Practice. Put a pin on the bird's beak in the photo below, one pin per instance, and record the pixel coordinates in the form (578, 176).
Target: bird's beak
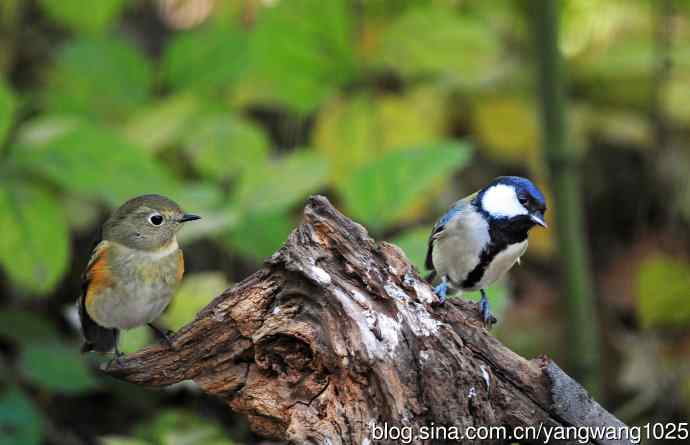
(538, 218)
(189, 217)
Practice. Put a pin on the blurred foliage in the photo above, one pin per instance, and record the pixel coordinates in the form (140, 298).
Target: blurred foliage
(240, 109)
(381, 199)
(7, 109)
(405, 45)
(70, 14)
(320, 44)
(174, 427)
(663, 287)
(508, 127)
(102, 78)
(20, 421)
(196, 291)
(204, 60)
(351, 132)
(56, 367)
(177, 427)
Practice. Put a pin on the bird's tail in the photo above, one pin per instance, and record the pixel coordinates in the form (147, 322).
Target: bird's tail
(99, 339)
(96, 337)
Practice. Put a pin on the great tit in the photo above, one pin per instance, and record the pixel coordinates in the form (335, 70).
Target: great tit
(482, 236)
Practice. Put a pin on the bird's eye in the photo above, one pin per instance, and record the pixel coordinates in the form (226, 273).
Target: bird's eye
(523, 200)
(156, 219)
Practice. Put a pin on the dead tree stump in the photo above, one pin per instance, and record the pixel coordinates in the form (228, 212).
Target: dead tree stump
(338, 333)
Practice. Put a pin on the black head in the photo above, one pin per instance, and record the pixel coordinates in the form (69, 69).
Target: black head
(513, 202)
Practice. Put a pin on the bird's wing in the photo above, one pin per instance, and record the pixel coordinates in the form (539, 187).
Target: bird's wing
(96, 277)
(456, 208)
(97, 274)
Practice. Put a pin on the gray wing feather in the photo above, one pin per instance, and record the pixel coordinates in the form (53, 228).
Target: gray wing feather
(457, 207)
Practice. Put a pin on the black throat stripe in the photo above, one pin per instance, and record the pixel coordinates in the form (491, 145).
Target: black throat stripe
(485, 258)
(500, 240)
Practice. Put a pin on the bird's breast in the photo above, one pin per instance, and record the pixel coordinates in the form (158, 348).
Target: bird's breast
(142, 286)
(497, 266)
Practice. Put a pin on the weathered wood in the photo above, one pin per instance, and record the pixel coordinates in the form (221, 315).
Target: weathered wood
(338, 333)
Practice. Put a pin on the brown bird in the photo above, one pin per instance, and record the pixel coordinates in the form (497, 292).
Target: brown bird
(133, 272)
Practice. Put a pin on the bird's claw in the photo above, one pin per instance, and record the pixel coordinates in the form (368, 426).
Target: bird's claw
(164, 336)
(441, 290)
(117, 360)
(167, 340)
(487, 317)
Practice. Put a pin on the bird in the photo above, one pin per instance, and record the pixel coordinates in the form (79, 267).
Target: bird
(133, 272)
(482, 236)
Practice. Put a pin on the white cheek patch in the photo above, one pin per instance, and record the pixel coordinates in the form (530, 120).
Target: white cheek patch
(501, 201)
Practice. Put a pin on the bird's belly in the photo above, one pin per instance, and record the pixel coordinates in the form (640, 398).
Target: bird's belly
(131, 305)
(141, 292)
(501, 263)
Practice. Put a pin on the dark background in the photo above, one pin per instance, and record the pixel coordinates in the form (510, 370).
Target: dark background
(239, 110)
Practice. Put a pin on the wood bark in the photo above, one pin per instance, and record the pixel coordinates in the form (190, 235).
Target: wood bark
(338, 334)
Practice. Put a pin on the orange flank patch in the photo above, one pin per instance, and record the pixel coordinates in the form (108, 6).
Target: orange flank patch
(180, 265)
(98, 273)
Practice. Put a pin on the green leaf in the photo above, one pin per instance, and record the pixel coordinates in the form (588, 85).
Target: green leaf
(278, 185)
(346, 132)
(222, 145)
(205, 59)
(162, 123)
(115, 171)
(20, 421)
(7, 110)
(381, 191)
(45, 128)
(206, 200)
(22, 326)
(464, 49)
(119, 440)
(662, 291)
(199, 435)
(178, 427)
(508, 129)
(619, 74)
(354, 131)
(103, 77)
(132, 340)
(302, 51)
(196, 292)
(258, 236)
(73, 15)
(56, 367)
(198, 196)
(34, 240)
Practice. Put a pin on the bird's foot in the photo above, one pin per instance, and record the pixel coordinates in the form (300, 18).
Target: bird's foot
(441, 290)
(164, 336)
(487, 317)
(117, 359)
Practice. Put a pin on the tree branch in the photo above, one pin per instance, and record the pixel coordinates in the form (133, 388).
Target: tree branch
(338, 333)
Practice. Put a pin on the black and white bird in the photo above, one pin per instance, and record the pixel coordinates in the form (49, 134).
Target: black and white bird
(482, 236)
